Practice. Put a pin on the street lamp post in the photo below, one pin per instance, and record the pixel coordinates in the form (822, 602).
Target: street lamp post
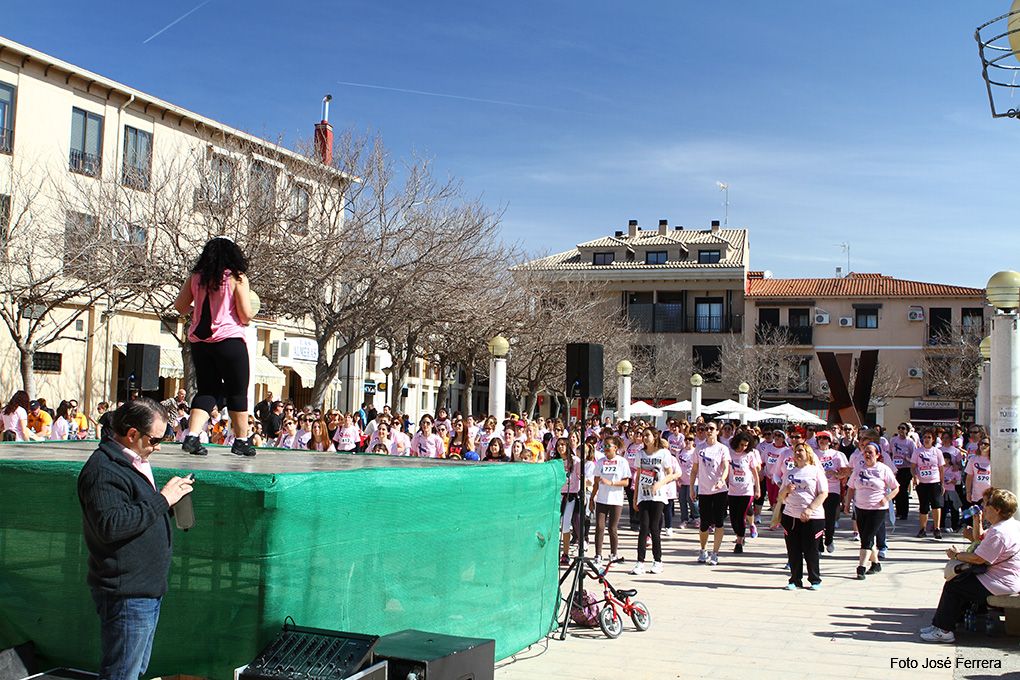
(742, 390)
(623, 370)
(1003, 292)
(498, 348)
(983, 407)
(696, 382)
(386, 396)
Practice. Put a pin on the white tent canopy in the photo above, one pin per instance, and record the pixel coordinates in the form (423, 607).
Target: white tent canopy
(726, 406)
(641, 408)
(677, 407)
(751, 415)
(791, 412)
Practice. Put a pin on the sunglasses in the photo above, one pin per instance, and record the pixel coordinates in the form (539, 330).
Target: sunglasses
(154, 441)
(986, 443)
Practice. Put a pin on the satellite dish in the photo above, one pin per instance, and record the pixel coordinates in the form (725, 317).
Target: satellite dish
(1013, 28)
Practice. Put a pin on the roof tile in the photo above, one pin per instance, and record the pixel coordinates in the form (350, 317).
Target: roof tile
(856, 286)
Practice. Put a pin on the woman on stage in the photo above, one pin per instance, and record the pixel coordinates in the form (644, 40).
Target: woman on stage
(218, 298)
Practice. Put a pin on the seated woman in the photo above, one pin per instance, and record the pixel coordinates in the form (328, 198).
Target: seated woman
(998, 552)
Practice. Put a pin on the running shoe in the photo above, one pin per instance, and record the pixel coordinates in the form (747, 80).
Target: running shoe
(564, 559)
(921, 534)
(713, 559)
(830, 547)
(242, 448)
(617, 559)
(682, 525)
(703, 556)
(882, 552)
(786, 566)
(656, 568)
(938, 635)
(815, 586)
(639, 568)
(855, 537)
(790, 586)
(875, 568)
(927, 629)
(754, 531)
(669, 532)
(192, 445)
(597, 562)
(938, 535)
(738, 548)
(860, 573)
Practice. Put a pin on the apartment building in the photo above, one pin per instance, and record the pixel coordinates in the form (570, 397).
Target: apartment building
(85, 133)
(904, 320)
(681, 289)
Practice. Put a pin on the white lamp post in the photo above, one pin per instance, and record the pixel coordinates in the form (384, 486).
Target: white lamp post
(696, 382)
(623, 370)
(983, 407)
(498, 348)
(742, 390)
(1003, 292)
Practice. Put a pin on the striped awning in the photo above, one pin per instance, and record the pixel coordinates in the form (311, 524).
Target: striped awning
(266, 371)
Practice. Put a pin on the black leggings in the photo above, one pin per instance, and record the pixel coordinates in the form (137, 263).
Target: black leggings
(802, 547)
(831, 505)
(868, 524)
(739, 505)
(221, 371)
(904, 477)
(607, 515)
(649, 516)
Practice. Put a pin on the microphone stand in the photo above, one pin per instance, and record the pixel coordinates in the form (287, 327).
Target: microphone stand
(575, 572)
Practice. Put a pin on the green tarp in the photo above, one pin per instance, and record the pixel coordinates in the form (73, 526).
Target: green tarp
(459, 549)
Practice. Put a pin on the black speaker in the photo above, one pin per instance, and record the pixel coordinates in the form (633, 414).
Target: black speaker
(143, 366)
(431, 656)
(584, 370)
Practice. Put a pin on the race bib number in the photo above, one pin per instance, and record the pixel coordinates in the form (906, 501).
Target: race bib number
(738, 477)
(926, 473)
(898, 461)
(609, 469)
(983, 477)
(646, 480)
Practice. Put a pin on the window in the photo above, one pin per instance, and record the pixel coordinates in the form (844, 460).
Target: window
(768, 316)
(137, 158)
(708, 315)
(299, 209)
(972, 322)
(801, 381)
(940, 325)
(168, 324)
(217, 190)
(707, 362)
(80, 237)
(425, 400)
(708, 256)
(867, 317)
(655, 257)
(5, 220)
(46, 362)
(128, 234)
(800, 318)
(86, 142)
(262, 186)
(6, 118)
(603, 258)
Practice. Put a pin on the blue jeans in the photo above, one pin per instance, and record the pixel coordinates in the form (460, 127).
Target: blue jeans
(127, 627)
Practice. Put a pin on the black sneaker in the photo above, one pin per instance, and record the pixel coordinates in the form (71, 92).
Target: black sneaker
(738, 548)
(921, 534)
(875, 568)
(937, 535)
(242, 448)
(860, 574)
(193, 446)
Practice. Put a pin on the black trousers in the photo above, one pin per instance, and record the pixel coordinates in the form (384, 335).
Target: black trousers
(650, 514)
(904, 476)
(868, 524)
(632, 515)
(738, 506)
(957, 595)
(802, 548)
(221, 374)
(831, 505)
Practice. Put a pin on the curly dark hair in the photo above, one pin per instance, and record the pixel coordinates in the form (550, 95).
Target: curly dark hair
(219, 255)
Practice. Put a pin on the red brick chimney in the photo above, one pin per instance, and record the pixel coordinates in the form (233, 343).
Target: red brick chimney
(324, 134)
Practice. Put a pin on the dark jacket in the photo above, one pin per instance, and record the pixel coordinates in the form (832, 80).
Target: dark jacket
(126, 524)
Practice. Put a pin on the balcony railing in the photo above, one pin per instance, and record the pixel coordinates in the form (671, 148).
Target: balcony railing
(85, 163)
(796, 335)
(6, 140)
(669, 318)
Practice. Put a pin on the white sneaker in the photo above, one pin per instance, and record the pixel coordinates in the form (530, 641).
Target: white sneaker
(938, 635)
(713, 559)
(597, 561)
(927, 629)
(656, 568)
(617, 558)
(639, 568)
(703, 556)
(669, 532)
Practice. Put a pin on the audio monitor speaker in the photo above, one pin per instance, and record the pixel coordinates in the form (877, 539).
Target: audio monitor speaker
(584, 370)
(143, 363)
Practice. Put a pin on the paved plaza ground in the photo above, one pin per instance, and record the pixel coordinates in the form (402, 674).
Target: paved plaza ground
(734, 621)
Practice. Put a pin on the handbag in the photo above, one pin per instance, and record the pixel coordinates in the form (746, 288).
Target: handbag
(956, 568)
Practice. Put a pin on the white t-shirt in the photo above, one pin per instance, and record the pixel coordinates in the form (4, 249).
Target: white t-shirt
(59, 430)
(611, 470)
(14, 421)
(346, 438)
(653, 468)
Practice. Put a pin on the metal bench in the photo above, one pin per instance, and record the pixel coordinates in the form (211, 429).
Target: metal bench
(1010, 604)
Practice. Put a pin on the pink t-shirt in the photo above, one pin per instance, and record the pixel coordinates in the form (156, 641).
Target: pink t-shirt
(427, 447)
(347, 438)
(953, 451)
(979, 468)
(711, 460)
(783, 465)
(871, 485)
(740, 481)
(573, 483)
(805, 484)
(686, 460)
(223, 320)
(832, 461)
(857, 460)
(401, 445)
(950, 478)
(902, 450)
(928, 462)
(1000, 547)
(676, 442)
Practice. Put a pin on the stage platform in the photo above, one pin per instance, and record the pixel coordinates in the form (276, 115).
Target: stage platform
(363, 543)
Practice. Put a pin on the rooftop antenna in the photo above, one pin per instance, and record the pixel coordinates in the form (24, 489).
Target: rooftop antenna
(846, 251)
(725, 188)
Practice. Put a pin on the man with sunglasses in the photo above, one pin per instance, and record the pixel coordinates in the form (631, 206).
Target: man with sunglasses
(126, 523)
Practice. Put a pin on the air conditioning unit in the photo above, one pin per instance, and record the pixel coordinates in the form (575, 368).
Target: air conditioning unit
(915, 372)
(821, 318)
(279, 349)
(915, 314)
(824, 386)
(846, 322)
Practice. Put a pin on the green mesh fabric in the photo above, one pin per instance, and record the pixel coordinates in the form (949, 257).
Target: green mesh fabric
(462, 550)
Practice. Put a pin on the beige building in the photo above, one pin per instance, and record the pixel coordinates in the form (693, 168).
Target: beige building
(903, 320)
(75, 132)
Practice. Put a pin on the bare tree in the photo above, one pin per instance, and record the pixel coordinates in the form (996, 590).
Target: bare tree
(770, 364)
(950, 364)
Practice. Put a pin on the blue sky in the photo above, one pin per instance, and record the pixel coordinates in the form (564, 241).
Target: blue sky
(860, 122)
